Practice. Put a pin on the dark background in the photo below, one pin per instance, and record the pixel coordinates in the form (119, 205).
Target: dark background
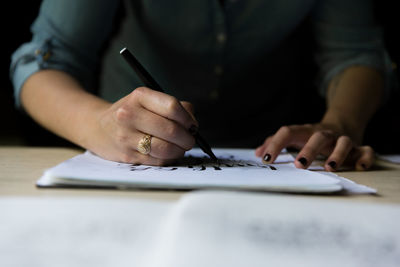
(383, 132)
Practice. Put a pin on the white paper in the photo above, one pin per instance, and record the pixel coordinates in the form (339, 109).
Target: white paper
(242, 229)
(238, 169)
(390, 158)
(89, 232)
(349, 187)
(221, 229)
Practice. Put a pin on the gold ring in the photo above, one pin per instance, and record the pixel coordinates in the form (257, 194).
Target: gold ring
(144, 145)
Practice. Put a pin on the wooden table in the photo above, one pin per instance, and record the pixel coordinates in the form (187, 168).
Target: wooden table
(20, 167)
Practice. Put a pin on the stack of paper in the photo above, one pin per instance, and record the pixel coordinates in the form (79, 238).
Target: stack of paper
(236, 169)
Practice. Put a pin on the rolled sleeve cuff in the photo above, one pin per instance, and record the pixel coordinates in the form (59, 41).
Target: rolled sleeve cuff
(23, 65)
(390, 81)
(341, 48)
(47, 54)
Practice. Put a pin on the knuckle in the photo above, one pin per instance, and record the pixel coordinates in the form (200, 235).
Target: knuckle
(285, 130)
(140, 90)
(138, 93)
(172, 105)
(319, 135)
(324, 133)
(122, 114)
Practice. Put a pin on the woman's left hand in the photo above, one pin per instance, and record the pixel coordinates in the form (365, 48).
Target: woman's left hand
(317, 139)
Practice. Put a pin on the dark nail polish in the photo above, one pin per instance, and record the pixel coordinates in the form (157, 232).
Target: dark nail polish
(332, 164)
(267, 157)
(303, 161)
(193, 129)
(364, 166)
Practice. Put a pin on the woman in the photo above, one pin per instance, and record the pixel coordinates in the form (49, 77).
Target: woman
(244, 66)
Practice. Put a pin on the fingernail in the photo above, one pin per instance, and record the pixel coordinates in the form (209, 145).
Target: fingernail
(364, 166)
(267, 157)
(332, 164)
(303, 161)
(193, 129)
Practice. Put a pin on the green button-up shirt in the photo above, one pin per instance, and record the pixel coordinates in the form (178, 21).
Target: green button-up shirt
(248, 66)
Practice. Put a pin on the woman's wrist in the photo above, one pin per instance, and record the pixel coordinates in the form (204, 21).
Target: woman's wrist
(90, 133)
(345, 124)
(59, 103)
(353, 97)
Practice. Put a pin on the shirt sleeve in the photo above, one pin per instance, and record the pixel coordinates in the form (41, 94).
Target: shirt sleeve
(347, 35)
(67, 35)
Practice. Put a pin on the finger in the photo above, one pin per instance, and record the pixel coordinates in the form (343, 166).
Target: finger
(134, 157)
(161, 149)
(366, 159)
(157, 162)
(166, 106)
(284, 137)
(188, 107)
(155, 125)
(342, 149)
(317, 142)
(259, 152)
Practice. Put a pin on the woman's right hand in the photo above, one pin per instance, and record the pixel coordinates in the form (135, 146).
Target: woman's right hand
(144, 111)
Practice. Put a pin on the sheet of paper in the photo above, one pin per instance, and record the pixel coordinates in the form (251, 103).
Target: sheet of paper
(238, 168)
(224, 229)
(89, 232)
(391, 158)
(349, 187)
(243, 229)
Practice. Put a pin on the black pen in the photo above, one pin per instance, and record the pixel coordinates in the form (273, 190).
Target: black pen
(148, 80)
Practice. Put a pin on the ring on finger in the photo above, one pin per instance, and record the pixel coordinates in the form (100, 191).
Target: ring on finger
(144, 145)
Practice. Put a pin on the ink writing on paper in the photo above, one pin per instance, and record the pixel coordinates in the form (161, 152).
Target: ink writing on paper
(197, 163)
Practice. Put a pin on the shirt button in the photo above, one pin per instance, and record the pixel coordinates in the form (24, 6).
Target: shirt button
(221, 37)
(45, 56)
(218, 69)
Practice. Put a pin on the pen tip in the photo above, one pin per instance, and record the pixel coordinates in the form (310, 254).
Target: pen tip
(122, 50)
